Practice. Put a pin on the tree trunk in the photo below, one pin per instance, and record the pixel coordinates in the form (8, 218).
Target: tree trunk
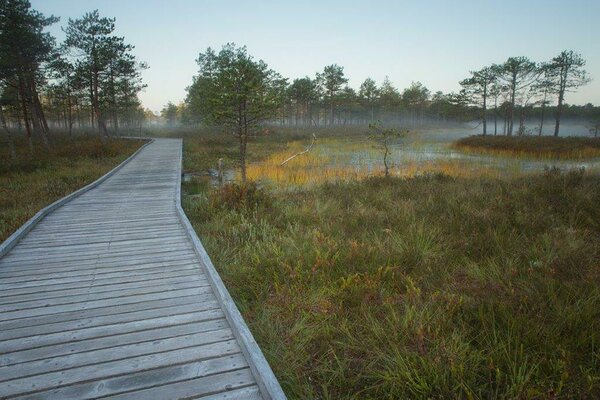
(115, 120)
(331, 109)
(9, 138)
(495, 117)
(35, 116)
(243, 143)
(70, 111)
(522, 122)
(96, 106)
(385, 156)
(25, 115)
(65, 115)
(39, 110)
(511, 110)
(242, 130)
(95, 95)
(484, 109)
(559, 108)
(542, 116)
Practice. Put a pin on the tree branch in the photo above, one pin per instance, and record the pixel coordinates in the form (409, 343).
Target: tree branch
(302, 152)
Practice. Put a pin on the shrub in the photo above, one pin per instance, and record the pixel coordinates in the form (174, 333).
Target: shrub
(233, 196)
(531, 146)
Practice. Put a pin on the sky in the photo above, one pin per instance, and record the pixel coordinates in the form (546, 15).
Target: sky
(434, 42)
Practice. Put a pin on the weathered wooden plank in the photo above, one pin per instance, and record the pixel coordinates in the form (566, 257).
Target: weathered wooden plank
(82, 333)
(102, 303)
(53, 235)
(117, 352)
(84, 276)
(107, 296)
(126, 295)
(93, 270)
(96, 285)
(177, 241)
(194, 388)
(67, 219)
(106, 224)
(106, 255)
(99, 238)
(114, 368)
(12, 240)
(46, 324)
(133, 259)
(88, 211)
(144, 379)
(86, 295)
(246, 393)
(121, 207)
(109, 342)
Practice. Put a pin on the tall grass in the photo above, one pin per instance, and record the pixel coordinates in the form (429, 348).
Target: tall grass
(429, 287)
(539, 147)
(423, 285)
(34, 181)
(335, 159)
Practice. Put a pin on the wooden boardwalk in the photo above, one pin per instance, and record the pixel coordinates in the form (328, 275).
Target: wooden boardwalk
(110, 295)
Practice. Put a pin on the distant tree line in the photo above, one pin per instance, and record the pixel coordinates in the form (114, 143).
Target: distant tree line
(327, 100)
(239, 94)
(90, 81)
(504, 95)
(511, 90)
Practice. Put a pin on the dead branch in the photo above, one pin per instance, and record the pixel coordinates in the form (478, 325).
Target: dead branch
(302, 152)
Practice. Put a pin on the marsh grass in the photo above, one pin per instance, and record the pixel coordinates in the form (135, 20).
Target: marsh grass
(349, 159)
(428, 287)
(425, 285)
(32, 182)
(537, 147)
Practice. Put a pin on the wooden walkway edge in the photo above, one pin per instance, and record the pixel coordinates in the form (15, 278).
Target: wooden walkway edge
(109, 293)
(13, 239)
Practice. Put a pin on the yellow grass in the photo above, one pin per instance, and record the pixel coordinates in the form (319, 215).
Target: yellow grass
(532, 147)
(329, 162)
(578, 154)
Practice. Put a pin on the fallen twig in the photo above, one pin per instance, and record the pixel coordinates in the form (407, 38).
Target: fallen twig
(302, 152)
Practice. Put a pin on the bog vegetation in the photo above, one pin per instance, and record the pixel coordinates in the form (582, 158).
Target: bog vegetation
(361, 276)
(550, 148)
(30, 183)
(89, 82)
(430, 286)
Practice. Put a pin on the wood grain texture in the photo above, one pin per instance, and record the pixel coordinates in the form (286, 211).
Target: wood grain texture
(106, 296)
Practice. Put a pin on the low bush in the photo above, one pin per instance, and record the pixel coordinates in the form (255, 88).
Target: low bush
(424, 288)
(531, 146)
(233, 196)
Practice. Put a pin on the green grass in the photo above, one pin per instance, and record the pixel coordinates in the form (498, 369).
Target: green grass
(546, 147)
(431, 287)
(33, 182)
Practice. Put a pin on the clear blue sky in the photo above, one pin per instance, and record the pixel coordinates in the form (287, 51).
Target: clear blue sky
(435, 42)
